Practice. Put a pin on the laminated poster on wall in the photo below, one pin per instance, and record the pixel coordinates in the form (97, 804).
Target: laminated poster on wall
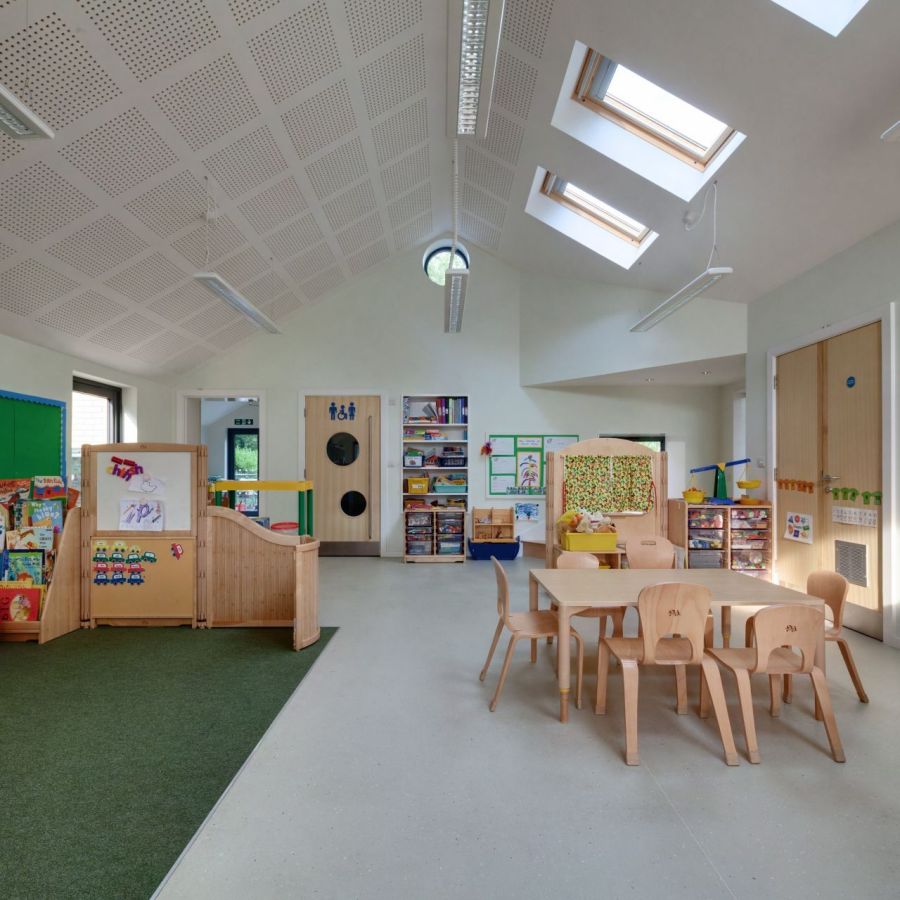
(503, 465)
(799, 527)
(528, 468)
(141, 514)
(528, 512)
(503, 484)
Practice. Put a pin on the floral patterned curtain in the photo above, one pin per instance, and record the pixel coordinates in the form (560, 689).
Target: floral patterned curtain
(608, 483)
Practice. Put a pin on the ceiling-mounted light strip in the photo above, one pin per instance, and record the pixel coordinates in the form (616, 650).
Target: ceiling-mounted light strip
(214, 282)
(18, 121)
(455, 285)
(701, 283)
(473, 39)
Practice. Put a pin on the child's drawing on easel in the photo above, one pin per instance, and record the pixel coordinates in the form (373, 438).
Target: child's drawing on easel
(141, 515)
(528, 469)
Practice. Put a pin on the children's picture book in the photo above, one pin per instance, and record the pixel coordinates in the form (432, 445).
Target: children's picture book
(141, 514)
(14, 489)
(45, 513)
(48, 487)
(20, 602)
(30, 538)
(26, 565)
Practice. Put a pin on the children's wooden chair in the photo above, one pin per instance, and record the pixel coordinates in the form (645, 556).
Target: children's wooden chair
(673, 621)
(833, 589)
(777, 630)
(525, 626)
(650, 553)
(570, 560)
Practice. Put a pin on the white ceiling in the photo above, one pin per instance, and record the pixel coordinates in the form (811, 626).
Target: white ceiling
(321, 128)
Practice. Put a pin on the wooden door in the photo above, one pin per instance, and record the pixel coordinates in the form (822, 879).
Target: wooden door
(852, 454)
(343, 460)
(828, 433)
(798, 418)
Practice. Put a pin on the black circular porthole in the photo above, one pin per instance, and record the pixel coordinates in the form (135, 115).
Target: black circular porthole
(342, 448)
(353, 503)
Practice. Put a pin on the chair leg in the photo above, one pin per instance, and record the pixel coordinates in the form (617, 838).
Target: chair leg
(601, 628)
(742, 677)
(630, 684)
(490, 655)
(681, 690)
(579, 649)
(703, 711)
(618, 620)
(711, 685)
(748, 633)
(726, 626)
(504, 670)
(851, 668)
(821, 688)
(775, 696)
(788, 693)
(602, 678)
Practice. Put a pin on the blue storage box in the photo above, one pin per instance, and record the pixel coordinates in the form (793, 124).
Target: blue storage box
(503, 550)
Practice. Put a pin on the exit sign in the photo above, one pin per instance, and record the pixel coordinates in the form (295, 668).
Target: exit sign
(243, 421)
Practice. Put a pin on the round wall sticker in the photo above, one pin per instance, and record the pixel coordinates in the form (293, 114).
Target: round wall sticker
(851, 381)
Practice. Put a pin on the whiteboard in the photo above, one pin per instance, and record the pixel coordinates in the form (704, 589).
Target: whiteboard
(173, 468)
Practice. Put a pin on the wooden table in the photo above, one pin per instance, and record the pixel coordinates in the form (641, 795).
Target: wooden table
(578, 589)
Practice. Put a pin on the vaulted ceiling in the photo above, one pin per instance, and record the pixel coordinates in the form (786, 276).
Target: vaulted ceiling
(317, 130)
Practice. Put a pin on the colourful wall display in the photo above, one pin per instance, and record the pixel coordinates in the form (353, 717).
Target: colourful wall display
(517, 464)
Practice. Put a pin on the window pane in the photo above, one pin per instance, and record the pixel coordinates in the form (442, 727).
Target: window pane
(90, 425)
(692, 127)
(604, 211)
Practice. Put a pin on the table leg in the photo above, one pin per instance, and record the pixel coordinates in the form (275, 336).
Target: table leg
(533, 589)
(562, 661)
(726, 626)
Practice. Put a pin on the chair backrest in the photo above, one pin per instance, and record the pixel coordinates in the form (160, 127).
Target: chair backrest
(833, 589)
(674, 608)
(792, 626)
(650, 553)
(502, 590)
(570, 560)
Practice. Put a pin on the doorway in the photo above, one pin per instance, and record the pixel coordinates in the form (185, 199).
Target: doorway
(343, 460)
(828, 475)
(242, 460)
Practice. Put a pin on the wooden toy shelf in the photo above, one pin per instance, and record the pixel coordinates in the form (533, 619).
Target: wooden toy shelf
(495, 524)
(719, 536)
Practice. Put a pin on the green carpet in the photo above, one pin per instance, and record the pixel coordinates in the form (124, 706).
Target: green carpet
(116, 743)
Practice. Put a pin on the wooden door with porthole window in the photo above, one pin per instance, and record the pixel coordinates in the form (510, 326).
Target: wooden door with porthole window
(828, 467)
(343, 460)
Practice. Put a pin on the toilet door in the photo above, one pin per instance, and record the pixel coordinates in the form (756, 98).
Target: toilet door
(343, 460)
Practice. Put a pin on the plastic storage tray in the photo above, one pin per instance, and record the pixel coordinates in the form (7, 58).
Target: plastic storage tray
(707, 559)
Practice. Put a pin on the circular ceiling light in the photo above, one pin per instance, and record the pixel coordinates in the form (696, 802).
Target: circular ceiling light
(436, 260)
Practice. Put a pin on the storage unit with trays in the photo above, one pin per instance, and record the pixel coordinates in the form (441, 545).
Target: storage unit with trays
(434, 534)
(435, 480)
(723, 536)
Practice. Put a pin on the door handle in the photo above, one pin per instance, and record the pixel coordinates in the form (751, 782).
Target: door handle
(369, 491)
(827, 477)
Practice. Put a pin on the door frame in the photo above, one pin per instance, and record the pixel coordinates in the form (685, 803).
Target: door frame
(890, 438)
(385, 443)
(181, 407)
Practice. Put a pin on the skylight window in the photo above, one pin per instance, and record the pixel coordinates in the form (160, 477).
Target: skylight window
(650, 111)
(832, 16)
(593, 209)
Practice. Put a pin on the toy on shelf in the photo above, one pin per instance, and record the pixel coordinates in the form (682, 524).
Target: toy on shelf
(720, 486)
(590, 532)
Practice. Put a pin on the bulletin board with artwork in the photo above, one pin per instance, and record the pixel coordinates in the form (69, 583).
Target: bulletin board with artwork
(143, 511)
(518, 462)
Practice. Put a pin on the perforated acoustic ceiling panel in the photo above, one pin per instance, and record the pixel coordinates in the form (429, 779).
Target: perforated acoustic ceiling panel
(525, 24)
(313, 130)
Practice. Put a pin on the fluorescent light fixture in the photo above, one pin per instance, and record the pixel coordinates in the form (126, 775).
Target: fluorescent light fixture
(455, 284)
(473, 39)
(18, 121)
(701, 283)
(892, 134)
(832, 16)
(214, 282)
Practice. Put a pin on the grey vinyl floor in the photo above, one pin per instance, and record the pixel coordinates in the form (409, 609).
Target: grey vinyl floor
(386, 776)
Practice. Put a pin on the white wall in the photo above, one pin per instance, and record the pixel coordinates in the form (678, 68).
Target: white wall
(384, 333)
(28, 369)
(571, 329)
(860, 282)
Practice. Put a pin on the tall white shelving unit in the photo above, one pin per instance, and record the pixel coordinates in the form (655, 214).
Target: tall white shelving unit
(435, 427)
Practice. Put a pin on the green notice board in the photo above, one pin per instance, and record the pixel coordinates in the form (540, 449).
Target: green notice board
(32, 436)
(518, 462)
